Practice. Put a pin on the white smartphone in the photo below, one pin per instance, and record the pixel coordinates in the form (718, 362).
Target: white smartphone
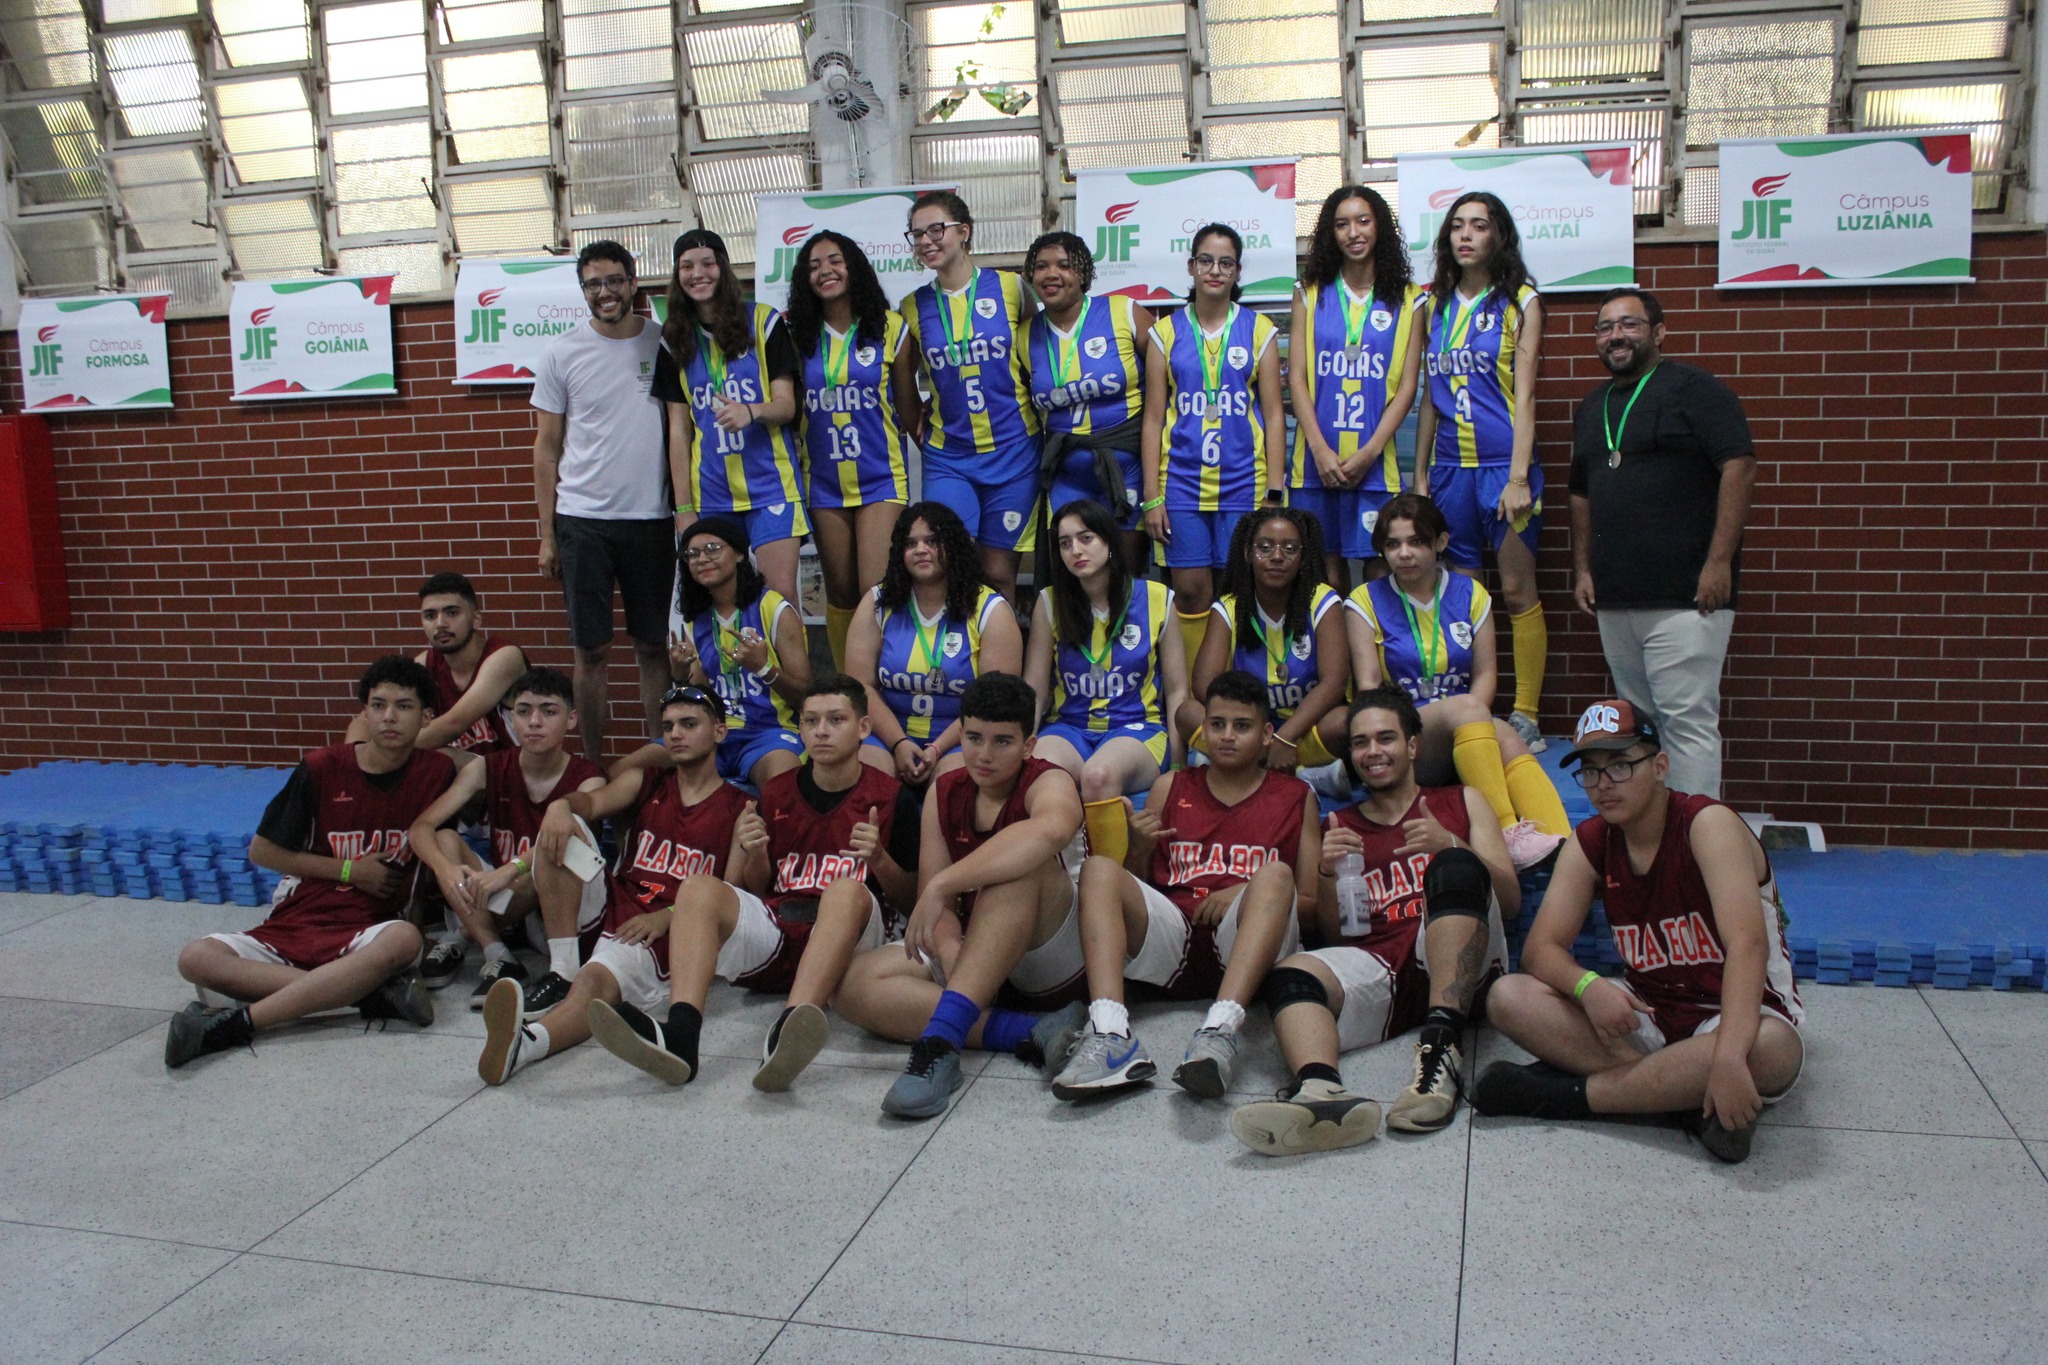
(581, 859)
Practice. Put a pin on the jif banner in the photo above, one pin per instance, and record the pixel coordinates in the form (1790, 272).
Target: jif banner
(1573, 206)
(506, 311)
(312, 338)
(104, 352)
(1140, 224)
(876, 219)
(1857, 208)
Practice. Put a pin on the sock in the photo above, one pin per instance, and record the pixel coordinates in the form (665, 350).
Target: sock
(1535, 796)
(679, 1031)
(1317, 1071)
(1532, 651)
(1109, 827)
(1225, 1015)
(532, 1048)
(1446, 1024)
(497, 952)
(1192, 629)
(1109, 1016)
(1002, 1030)
(838, 621)
(952, 1018)
(1475, 753)
(563, 959)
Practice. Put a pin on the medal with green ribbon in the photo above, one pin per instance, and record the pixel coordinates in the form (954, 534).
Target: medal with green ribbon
(932, 645)
(728, 638)
(1434, 660)
(1614, 433)
(1354, 324)
(1212, 369)
(1276, 648)
(956, 341)
(1459, 327)
(1063, 354)
(838, 363)
(714, 361)
(1098, 663)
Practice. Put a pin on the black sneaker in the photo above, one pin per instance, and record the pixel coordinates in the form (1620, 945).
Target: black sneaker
(508, 968)
(197, 1030)
(402, 998)
(442, 961)
(634, 1038)
(546, 993)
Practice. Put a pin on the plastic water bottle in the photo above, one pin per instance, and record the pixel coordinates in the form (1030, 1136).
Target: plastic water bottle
(1354, 898)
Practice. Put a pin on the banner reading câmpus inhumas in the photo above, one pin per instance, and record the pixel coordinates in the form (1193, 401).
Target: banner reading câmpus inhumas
(506, 312)
(312, 338)
(1856, 208)
(1573, 206)
(874, 218)
(1140, 225)
(96, 354)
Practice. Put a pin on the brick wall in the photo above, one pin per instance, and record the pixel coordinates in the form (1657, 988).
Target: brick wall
(232, 566)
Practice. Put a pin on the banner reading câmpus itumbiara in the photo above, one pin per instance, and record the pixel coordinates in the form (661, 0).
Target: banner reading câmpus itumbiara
(98, 354)
(319, 338)
(874, 218)
(1140, 224)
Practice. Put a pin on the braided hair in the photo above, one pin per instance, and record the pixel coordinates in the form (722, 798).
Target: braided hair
(1238, 580)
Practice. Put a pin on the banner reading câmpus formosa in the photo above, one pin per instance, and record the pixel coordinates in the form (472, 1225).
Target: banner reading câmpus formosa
(1573, 206)
(506, 312)
(1855, 208)
(312, 338)
(1140, 225)
(95, 354)
(875, 218)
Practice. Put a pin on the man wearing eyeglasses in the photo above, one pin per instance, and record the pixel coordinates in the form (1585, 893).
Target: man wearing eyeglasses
(1704, 1022)
(601, 486)
(1662, 473)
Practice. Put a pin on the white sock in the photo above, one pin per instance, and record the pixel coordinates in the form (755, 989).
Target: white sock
(563, 959)
(497, 952)
(1225, 1015)
(1109, 1016)
(532, 1048)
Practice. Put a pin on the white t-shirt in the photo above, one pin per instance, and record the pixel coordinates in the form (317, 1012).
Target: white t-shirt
(613, 463)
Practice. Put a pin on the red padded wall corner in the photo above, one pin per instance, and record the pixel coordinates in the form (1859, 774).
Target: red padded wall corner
(32, 593)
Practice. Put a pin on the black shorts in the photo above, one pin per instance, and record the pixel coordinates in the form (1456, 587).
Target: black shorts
(640, 556)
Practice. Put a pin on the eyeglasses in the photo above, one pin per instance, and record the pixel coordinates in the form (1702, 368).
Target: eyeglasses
(694, 696)
(1617, 772)
(698, 554)
(1624, 325)
(930, 232)
(612, 283)
(1277, 549)
(1225, 264)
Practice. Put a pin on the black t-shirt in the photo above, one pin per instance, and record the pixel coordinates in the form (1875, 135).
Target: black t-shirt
(1653, 515)
(780, 356)
(288, 819)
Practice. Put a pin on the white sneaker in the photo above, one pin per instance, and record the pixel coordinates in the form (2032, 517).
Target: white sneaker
(1529, 846)
(1329, 780)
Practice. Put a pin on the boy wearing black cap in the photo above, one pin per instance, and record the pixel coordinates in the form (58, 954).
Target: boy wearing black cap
(1705, 1020)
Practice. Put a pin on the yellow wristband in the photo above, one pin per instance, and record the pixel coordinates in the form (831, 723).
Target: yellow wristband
(1579, 991)
(346, 865)
(1147, 506)
(520, 864)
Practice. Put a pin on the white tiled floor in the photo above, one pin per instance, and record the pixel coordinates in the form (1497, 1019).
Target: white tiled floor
(343, 1197)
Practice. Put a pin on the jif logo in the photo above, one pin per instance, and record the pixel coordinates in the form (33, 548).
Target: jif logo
(784, 265)
(46, 355)
(1427, 223)
(1116, 239)
(258, 341)
(486, 324)
(1764, 218)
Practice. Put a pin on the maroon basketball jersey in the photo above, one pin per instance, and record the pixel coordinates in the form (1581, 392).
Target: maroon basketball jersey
(670, 841)
(509, 808)
(1216, 846)
(809, 851)
(485, 735)
(1663, 919)
(956, 807)
(354, 819)
(1395, 880)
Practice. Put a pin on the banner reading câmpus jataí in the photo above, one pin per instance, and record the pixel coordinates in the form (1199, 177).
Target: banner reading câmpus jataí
(312, 338)
(1854, 208)
(875, 218)
(1573, 206)
(95, 354)
(1140, 224)
(507, 311)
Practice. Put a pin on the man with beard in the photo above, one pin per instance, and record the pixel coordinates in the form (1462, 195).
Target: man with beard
(471, 671)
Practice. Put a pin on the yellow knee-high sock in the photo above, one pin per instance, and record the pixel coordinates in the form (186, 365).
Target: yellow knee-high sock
(1109, 827)
(838, 620)
(1535, 796)
(1532, 651)
(1192, 629)
(1475, 753)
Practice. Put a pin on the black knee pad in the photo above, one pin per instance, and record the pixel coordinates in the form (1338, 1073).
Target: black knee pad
(1457, 883)
(1292, 986)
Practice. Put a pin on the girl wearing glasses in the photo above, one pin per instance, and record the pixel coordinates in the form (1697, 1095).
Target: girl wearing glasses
(933, 628)
(727, 372)
(1353, 379)
(740, 638)
(1212, 418)
(981, 436)
(1482, 335)
(856, 455)
(1102, 653)
(1430, 632)
(1279, 621)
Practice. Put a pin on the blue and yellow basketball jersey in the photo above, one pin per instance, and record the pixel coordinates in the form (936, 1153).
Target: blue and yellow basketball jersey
(1213, 447)
(1471, 369)
(1119, 684)
(737, 471)
(1425, 650)
(973, 356)
(855, 450)
(751, 706)
(1291, 667)
(1359, 347)
(1089, 381)
(924, 666)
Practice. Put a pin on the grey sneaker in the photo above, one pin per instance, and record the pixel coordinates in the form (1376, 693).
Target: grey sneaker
(798, 1036)
(504, 1032)
(1318, 1117)
(1053, 1037)
(928, 1084)
(1526, 731)
(507, 967)
(1721, 1144)
(1430, 1101)
(1103, 1064)
(402, 997)
(196, 1030)
(1211, 1062)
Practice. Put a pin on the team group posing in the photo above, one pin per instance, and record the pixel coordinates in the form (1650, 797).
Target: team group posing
(948, 774)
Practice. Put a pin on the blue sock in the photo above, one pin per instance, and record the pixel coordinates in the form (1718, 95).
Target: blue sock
(1003, 1030)
(951, 1020)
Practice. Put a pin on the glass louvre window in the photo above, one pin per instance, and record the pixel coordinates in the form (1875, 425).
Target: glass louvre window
(980, 62)
(649, 243)
(497, 105)
(735, 6)
(381, 174)
(376, 57)
(47, 42)
(502, 216)
(621, 155)
(268, 127)
(616, 42)
(1316, 142)
(1889, 32)
(197, 288)
(64, 255)
(56, 145)
(726, 187)
(273, 238)
(1399, 11)
(1429, 98)
(730, 67)
(1108, 21)
(1131, 114)
(155, 80)
(258, 32)
(1759, 80)
(474, 21)
(418, 266)
(1699, 198)
(163, 191)
(1590, 40)
(1570, 123)
(130, 11)
(1980, 107)
(1000, 175)
(1262, 50)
